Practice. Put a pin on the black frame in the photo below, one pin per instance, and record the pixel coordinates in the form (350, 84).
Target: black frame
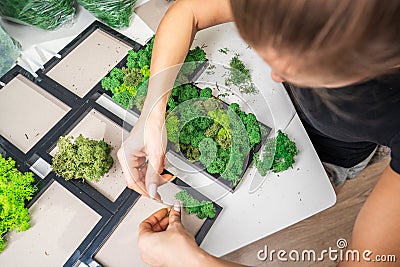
(89, 255)
(57, 93)
(90, 105)
(71, 46)
(217, 177)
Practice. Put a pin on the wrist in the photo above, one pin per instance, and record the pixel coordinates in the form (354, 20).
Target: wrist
(200, 258)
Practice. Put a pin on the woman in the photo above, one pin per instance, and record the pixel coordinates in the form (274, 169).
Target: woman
(349, 49)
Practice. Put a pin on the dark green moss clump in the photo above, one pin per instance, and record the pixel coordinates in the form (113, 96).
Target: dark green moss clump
(278, 154)
(128, 86)
(203, 209)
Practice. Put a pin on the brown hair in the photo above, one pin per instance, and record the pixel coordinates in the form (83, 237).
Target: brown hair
(338, 38)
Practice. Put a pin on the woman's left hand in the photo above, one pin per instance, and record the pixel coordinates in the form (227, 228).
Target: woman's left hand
(163, 240)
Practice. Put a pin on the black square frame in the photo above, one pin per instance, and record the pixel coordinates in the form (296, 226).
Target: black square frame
(56, 92)
(71, 46)
(89, 106)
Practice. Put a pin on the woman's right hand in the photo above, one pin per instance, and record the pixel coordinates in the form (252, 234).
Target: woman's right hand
(142, 155)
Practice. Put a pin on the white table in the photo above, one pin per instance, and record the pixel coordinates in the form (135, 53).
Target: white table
(283, 199)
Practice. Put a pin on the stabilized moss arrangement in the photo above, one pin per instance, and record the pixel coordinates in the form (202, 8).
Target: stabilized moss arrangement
(128, 86)
(15, 189)
(83, 159)
(203, 209)
(206, 132)
(278, 158)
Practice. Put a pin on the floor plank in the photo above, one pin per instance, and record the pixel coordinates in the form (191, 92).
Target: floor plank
(320, 231)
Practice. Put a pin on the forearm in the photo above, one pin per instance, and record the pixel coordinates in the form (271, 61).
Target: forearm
(377, 224)
(205, 259)
(173, 39)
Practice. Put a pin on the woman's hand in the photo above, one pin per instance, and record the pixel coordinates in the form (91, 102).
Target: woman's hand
(146, 143)
(142, 155)
(163, 241)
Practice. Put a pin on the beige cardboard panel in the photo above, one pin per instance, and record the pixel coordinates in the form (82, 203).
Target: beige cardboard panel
(152, 12)
(27, 112)
(59, 224)
(96, 126)
(89, 62)
(121, 248)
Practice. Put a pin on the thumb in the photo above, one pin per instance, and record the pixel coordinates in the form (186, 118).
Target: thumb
(175, 215)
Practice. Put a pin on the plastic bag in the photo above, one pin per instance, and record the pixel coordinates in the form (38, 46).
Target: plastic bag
(45, 14)
(9, 51)
(115, 13)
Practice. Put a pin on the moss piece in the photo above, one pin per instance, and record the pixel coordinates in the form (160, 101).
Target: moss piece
(83, 159)
(15, 188)
(203, 209)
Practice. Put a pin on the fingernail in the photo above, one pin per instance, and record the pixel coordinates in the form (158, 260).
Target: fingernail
(152, 190)
(177, 206)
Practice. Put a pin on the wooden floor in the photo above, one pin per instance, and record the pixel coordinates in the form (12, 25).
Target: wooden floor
(320, 231)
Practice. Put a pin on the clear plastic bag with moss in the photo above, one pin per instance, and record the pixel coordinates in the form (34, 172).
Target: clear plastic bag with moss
(9, 51)
(114, 13)
(47, 15)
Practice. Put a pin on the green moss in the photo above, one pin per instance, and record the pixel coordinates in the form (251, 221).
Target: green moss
(240, 76)
(47, 15)
(132, 77)
(15, 189)
(115, 79)
(116, 13)
(83, 159)
(213, 130)
(194, 59)
(203, 209)
(9, 51)
(285, 152)
(278, 154)
(223, 138)
(172, 127)
(208, 151)
(206, 92)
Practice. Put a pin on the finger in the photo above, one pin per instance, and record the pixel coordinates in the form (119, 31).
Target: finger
(138, 162)
(164, 223)
(132, 176)
(153, 178)
(154, 221)
(166, 177)
(130, 156)
(175, 215)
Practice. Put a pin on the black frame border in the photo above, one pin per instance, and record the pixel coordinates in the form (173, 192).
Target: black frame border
(89, 106)
(96, 25)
